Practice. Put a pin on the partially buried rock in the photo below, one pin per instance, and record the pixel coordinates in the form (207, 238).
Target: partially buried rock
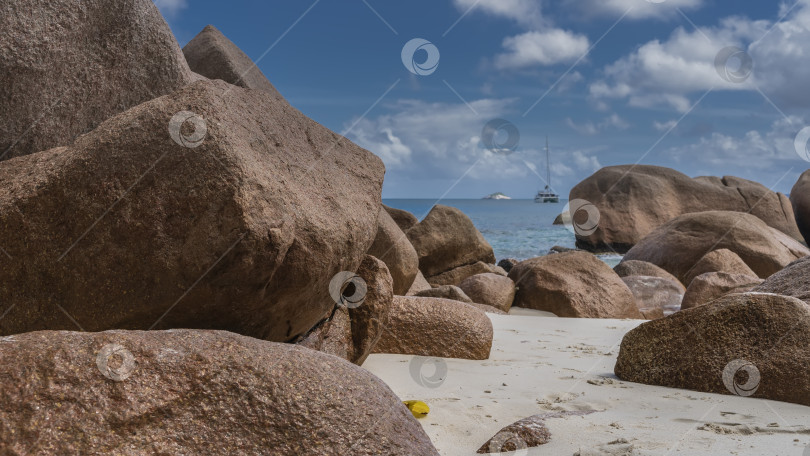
(679, 244)
(707, 287)
(436, 327)
(447, 239)
(794, 281)
(404, 219)
(629, 268)
(68, 65)
(655, 297)
(634, 200)
(214, 56)
(751, 344)
(163, 392)
(393, 247)
(458, 275)
(446, 292)
(721, 260)
(572, 285)
(523, 434)
(490, 289)
(212, 223)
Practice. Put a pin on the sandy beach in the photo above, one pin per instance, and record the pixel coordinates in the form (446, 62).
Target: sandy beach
(542, 365)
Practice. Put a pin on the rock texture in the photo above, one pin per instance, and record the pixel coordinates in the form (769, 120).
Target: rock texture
(572, 285)
(332, 336)
(68, 65)
(368, 320)
(680, 243)
(800, 202)
(490, 289)
(458, 275)
(404, 219)
(707, 287)
(700, 348)
(447, 239)
(635, 200)
(393, 247)
(655, 297)
(629, 268)
(214, 56)
(419, 284)
(524, 434)
(129, 229)
(436, 327)
(722, 260)
(794, 281)
(445, 292)
(192, 392)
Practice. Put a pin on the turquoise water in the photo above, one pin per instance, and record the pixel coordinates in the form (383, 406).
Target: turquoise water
(519, 229)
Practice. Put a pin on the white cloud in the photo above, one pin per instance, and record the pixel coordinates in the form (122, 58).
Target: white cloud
(541, 48)
(588, 163)
(527, 12)
(635, 9)
(613, 121)
(665, 126)
(170, 7)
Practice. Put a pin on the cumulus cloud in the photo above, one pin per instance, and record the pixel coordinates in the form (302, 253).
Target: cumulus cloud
(612, 122)
(635, 9)
(541, 48)
(170, 7)
(527, 12)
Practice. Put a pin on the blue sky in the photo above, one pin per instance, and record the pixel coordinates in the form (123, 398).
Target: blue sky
(609, 81)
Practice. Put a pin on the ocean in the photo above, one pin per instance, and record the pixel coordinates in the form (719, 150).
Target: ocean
(520, 229)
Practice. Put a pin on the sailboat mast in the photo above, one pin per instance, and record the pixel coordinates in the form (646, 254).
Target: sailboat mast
(548, 166)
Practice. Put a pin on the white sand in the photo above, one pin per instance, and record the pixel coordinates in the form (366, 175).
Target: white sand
(551, 364)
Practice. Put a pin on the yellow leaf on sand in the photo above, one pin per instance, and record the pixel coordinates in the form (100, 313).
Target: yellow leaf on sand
(418, 408)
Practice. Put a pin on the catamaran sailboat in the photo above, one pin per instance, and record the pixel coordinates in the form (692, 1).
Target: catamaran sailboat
(547, 195)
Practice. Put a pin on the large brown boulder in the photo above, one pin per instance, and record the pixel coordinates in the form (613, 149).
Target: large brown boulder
(800, 201)
(458, 275)
(679, 244)
(419, 284)
(68, 65)
(572, 285)
(436, 327)
(128, 229)
(393, 247)
(634, 200)
(629, 268)
(721, 260)
(447, 239)
(712, 348)
(192, 392)
(794, 281)
(445, 292)
(490, 289)
(404, 219)
(655, 297)
(707, 287)
(214, 56)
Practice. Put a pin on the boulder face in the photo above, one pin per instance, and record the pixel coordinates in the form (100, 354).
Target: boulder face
(707, 287)
(161, 392)
(460, 274)
(393, 247)
(634, 200)
(436, 327)
(655, 297)
(214, 56)
(572, 285)
(680, 243)
(800, 201)
(445, 292)
(404, 219)
(629, 268)
(490, 289)
(419, 284)
(129, 229)
(794, 281)
(68, 65)
(711, 348)
(447, 239)
(722, 260)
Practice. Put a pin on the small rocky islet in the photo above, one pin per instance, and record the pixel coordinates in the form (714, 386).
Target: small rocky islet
(192, 267)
